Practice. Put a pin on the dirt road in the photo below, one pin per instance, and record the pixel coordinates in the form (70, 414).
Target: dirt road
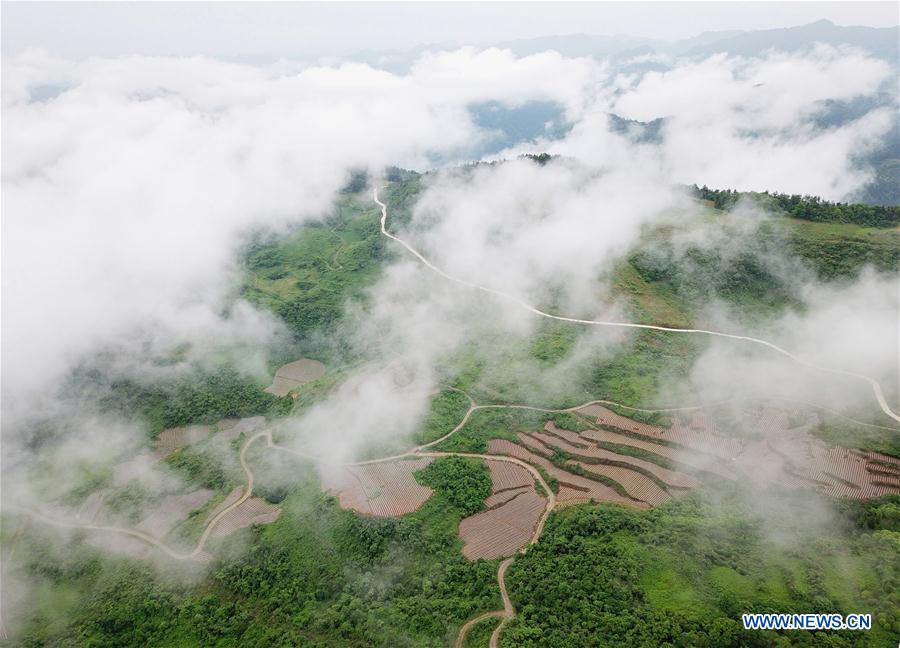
(876, 387)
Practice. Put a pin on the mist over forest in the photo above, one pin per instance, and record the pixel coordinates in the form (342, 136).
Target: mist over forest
(560, 340)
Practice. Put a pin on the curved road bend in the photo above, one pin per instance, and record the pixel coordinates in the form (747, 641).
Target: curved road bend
(156, 542)
(508, 610)
(876, 388)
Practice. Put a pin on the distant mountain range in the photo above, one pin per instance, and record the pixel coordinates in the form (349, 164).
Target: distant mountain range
(881, 42)
(509, 126)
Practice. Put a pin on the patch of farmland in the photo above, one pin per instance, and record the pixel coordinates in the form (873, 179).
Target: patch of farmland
(505, 475)
(179, 437)
(764, 467)
(230, 499)
(604, 416)
(697, 433)
(171, 510)
(573, 438)
(695, 460)
(532, 443)
(588, 449)
(700, 433)
(254, 510)
(294, 374)
(503, 530)
(848, 473)
(572, 488)
(638, 486)
(385, 489)
(496, 499)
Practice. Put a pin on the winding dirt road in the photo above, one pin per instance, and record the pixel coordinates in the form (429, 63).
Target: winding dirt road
(156, 542)
(508, 611)
(876, 387)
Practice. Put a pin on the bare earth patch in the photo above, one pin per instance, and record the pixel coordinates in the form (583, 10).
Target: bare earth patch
(513, 510)
(671, 478)
(384, 489)
(255, 510)
(503, 530)
(294, 374)
(179, 437)
(572, 488)
(172, 510)
(791, 457)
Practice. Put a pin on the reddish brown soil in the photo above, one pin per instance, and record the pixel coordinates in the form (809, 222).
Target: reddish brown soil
(506, 475)
(696, 432)
(172, 510)
(638, 486)
(180, 437)
(294, 375)
(585, 449)
(683, 458)
(572, 488)
(383, 489)
(503, 530)
(252, 511)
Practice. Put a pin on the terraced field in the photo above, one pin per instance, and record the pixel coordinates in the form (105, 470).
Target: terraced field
(504, 529)
(511, 514)
(381, 489)
(179, 437)
(573, 489)
(254, 510)
(294, 375)
(697, 450)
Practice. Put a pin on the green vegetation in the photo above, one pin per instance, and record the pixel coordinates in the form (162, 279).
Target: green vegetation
(308, 277)
(837, 431)
(810, 208)
(465, 482)
(678, 575)
(447, 410)
(880, 514)
(700, 273)
(681, 574)
(835, 250)
(89, 482)
(194, 395)
(480, 634)
(553, 340)
(202, 468)
(318, 576)
(634, 375)
(130, 501)
(487, 424)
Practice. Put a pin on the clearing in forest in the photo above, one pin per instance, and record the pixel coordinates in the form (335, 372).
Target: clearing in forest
(384, 489)
(295, 374)
(179, 437)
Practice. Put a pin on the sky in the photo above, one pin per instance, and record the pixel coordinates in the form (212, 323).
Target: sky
(267, 31)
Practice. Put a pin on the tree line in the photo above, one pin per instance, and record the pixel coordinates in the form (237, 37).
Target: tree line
(811, 208)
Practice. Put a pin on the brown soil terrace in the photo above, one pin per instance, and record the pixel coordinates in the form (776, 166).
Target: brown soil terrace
(386, 489)
(693, 447)
(295, 374)
(515, 512)
(512, 512)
